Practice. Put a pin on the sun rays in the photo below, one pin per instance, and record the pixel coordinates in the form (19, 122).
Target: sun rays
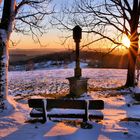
(125, 41)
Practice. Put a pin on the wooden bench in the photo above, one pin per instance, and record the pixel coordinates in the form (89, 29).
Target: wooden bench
(44, 105)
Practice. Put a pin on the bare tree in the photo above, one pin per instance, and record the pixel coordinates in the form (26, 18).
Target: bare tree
(26, 16)
(107, 20)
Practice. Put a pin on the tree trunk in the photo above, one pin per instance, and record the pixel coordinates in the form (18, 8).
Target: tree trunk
(132, 56)
(3, 69)
(133, 50)
(8, 16)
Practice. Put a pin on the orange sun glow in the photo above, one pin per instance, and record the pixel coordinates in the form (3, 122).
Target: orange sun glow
(126, 41)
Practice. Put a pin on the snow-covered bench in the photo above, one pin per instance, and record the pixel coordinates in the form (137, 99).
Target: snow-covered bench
(42, 106)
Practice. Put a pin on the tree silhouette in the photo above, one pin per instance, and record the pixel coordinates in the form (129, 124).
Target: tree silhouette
(24, 16)
(107, 20)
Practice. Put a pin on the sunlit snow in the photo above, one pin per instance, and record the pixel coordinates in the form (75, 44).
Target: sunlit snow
(102, 84)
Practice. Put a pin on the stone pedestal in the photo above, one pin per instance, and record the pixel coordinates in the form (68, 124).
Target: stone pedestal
(78, 86)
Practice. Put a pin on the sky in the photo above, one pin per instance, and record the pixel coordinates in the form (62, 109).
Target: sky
(52, 39)
(48, 40)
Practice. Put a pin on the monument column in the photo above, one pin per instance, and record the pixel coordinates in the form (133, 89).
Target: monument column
(78, 84)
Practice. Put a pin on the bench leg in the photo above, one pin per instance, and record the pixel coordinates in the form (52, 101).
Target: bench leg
(85, 119)
(44, 111)
(44, 118)
(85, 124)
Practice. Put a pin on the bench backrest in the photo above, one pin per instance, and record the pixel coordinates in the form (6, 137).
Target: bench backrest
(57, 103)
(35, 103)
(96, 104)
(66, 104)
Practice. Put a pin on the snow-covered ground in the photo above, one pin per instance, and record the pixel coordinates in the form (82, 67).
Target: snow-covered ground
(102, 84)
(54, 81)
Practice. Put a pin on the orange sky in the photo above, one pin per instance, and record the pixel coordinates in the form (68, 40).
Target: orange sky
(49, 40)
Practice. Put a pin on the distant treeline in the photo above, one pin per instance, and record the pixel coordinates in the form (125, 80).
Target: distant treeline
(94, 59)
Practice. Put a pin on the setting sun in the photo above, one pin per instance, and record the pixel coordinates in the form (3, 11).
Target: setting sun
(126, 41)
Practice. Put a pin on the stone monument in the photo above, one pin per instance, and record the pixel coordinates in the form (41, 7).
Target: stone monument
(78, 84)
